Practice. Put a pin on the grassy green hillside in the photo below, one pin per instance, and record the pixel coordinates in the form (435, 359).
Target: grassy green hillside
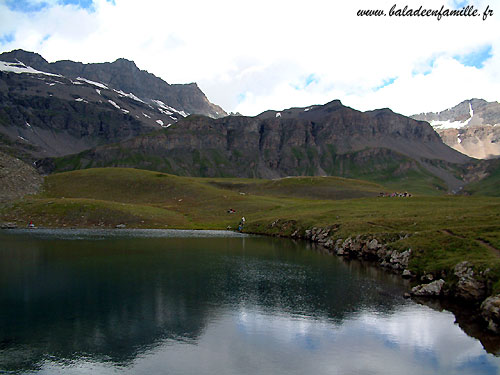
(378, 165)
(441, 230)
(98, 196)
(301, 187)
(488, 186)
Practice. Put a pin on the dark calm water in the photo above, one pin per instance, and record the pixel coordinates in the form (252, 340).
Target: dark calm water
(180, 302)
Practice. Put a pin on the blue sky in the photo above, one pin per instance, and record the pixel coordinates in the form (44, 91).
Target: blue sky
(386, 82)
(253, 56)
(460, 3)
(26, 6)
(30, 6)
(7, 38)
(476, 58)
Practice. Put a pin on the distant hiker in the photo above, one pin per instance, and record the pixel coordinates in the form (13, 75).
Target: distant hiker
(241, 224)
(31, 225)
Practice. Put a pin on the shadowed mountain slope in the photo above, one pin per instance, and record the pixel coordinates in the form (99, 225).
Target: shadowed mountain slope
(331, 139)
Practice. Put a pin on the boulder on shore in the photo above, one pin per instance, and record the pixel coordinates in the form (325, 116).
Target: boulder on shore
(469, 286)
(490, 310)
(433, 289)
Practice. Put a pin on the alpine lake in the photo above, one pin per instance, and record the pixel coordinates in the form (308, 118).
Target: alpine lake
(214, 302)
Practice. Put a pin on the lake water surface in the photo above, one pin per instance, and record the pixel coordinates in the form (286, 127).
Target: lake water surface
(185, 302)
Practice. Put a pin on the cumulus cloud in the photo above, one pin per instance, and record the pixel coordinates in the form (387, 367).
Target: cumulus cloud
(252, 56)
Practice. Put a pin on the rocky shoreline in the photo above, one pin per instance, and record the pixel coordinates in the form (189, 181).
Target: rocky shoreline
(465, 284)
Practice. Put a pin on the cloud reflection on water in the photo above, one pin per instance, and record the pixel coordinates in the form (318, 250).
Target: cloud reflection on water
(412, 340)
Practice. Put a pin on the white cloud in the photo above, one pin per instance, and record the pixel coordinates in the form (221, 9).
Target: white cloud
(252, 56)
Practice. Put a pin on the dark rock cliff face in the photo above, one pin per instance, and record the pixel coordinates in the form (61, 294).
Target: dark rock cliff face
(44, 116)
(351, 130)
(124, 75)
(324, 140)
(55, 109)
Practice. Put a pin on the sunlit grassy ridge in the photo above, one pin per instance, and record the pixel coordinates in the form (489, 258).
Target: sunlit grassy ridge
(442, 231)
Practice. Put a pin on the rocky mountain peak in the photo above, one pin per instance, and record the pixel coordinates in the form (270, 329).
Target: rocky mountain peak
(461, 112)
(32, 59)
(124, 75)
(333, 104)
(384, 111)
(122, 62)
(471, 127)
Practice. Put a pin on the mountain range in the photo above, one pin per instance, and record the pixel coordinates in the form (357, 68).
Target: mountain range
(53, 109)
(329, 139)
(471, 127)
(67, 115)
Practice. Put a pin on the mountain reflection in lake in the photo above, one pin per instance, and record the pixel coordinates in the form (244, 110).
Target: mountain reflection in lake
(183, 303)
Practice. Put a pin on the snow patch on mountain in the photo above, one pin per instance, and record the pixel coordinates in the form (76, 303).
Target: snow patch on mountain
(97, 84)
(160, 104)
(19, 68)
(129, 95)
(114, 104)
(437, 124)
(448, 124)
(164, 111)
